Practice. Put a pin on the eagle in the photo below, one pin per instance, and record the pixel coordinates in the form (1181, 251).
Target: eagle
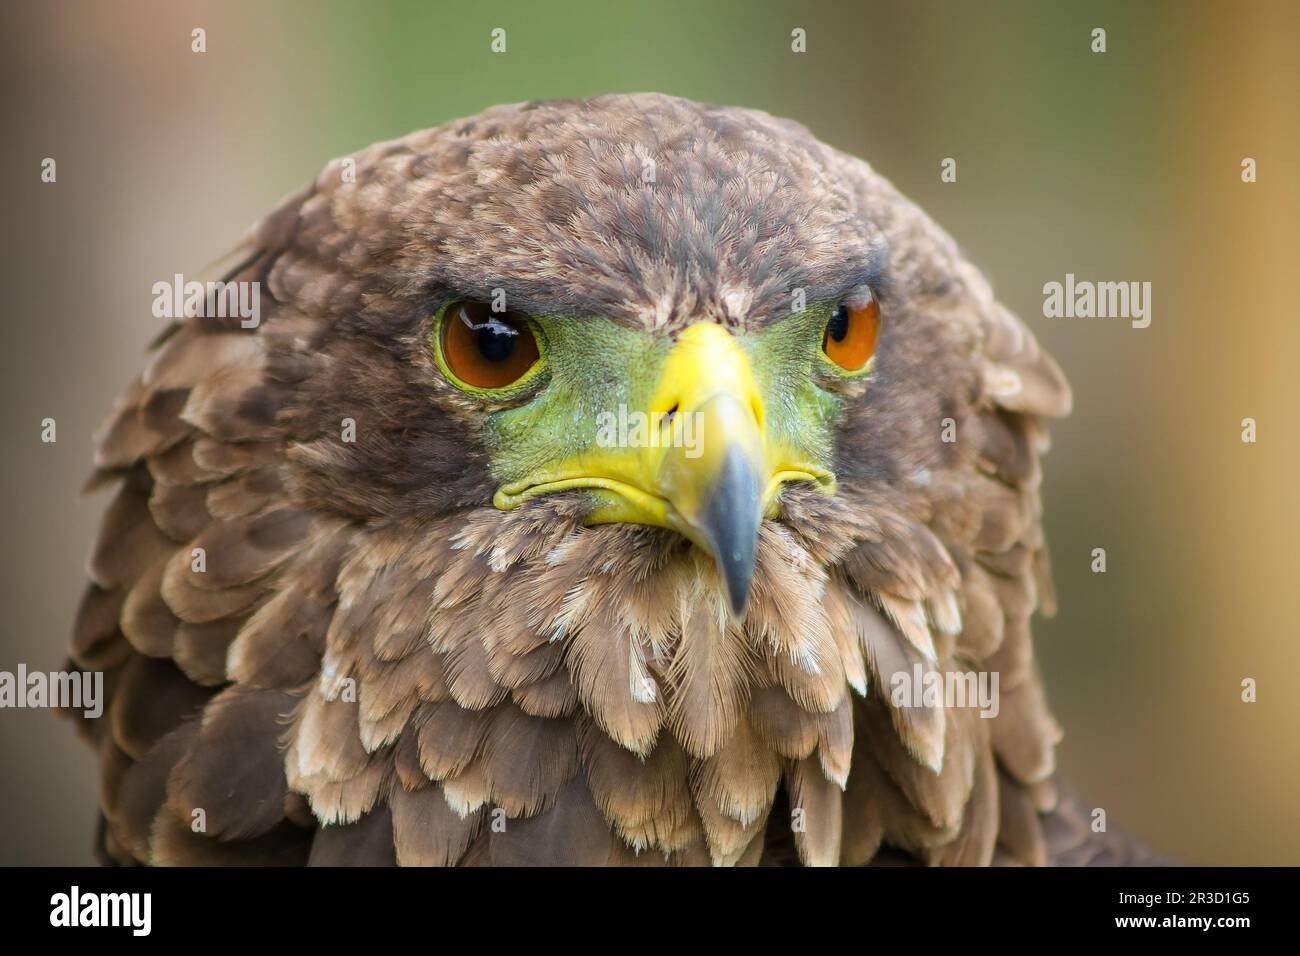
(619, 481)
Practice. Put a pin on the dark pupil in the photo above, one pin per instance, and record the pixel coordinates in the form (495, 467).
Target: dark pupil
(839, 324)
(496, 342)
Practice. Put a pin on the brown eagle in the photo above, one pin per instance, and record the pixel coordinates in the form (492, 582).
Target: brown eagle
(618, 481)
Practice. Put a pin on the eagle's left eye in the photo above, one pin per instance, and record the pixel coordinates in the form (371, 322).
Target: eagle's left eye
(851, 333)
(487, 349)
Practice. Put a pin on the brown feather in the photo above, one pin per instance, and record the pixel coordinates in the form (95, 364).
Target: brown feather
(367, 842)
(234, 770)
(816, 805)
(426, 832)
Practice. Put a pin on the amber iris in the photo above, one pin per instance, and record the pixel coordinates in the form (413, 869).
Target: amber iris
(487, 349)
(851, 335)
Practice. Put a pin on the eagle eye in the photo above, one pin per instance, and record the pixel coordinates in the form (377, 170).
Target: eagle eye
(850, 337)
(486, 349)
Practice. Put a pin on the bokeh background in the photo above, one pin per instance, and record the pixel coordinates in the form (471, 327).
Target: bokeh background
(1115, 166)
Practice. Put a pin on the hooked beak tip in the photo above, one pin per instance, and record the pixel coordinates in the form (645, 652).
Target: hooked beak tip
(730, 525)
(738, 594)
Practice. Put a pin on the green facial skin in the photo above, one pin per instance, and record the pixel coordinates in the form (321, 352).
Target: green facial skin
(592, 365)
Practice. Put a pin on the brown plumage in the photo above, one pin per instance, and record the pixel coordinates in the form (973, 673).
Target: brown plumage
(378, 666)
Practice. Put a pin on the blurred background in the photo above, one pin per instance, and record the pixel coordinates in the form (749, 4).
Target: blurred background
(1117, 166)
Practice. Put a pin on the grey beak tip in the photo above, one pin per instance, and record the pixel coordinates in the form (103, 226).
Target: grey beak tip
(737, 573)
(739, 599)
(732, 520)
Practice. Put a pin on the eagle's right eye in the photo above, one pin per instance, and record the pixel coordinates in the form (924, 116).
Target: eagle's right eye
(486, 349)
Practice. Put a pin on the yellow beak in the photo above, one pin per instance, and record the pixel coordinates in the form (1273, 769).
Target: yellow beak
(697, 460)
